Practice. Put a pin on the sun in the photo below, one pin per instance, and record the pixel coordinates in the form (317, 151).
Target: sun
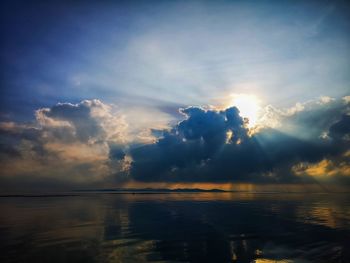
(248, 105)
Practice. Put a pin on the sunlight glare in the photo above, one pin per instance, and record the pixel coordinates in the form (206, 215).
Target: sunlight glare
(249, 107)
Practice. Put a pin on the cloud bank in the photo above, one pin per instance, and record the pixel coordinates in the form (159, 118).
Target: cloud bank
(216, 146)
(66, 143)
(92, 143)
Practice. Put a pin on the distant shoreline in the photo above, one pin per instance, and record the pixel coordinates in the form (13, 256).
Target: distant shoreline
(143, 191)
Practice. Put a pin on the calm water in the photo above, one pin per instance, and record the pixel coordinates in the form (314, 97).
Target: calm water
(196, 227)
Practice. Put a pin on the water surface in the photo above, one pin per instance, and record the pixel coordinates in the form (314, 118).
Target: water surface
(176, 227)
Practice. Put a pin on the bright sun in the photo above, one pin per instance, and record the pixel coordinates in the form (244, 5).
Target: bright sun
(248, 106)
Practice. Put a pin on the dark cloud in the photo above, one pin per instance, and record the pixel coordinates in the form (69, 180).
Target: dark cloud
(216, 146)
(341, 129)
(116, 152)
(190, 144)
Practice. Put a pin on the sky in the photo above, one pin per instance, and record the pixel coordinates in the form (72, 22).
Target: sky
(108, 93)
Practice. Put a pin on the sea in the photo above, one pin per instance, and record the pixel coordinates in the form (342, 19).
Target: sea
(175, 227)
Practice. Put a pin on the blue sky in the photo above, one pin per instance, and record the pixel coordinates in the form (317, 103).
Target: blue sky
(161, 54)
(96, 88)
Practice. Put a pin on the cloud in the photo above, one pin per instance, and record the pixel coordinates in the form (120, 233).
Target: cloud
(212, 145)
(92, 143)
(68, 142)
(189, 146)
(341, 129)
(306, 120)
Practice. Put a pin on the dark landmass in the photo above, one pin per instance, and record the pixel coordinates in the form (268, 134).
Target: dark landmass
(39, 195)
(155, 190)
